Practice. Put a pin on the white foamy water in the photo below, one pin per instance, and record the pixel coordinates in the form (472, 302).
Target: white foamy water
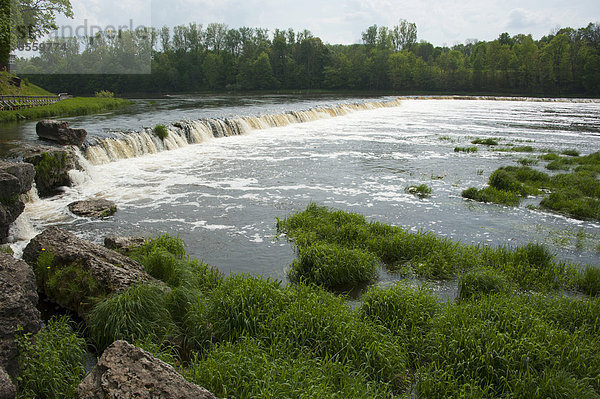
(222, 195)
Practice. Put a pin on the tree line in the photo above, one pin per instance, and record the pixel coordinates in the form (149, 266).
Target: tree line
(192, 57)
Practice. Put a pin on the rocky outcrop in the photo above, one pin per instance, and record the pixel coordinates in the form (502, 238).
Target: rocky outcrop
(124, 245)
(7, 388)
(75, 273)
(60, 132)
(18, 301)
(15, 179)
(93, 208)
(125, 371)
(52, 166)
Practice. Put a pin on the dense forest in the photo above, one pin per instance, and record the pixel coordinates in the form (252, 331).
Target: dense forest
(191, 58)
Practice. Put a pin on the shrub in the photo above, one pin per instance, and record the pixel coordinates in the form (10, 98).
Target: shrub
(333, 266)
(51, 361)
(161, 131)
(481, 282)
(104, 94)
(421, 190)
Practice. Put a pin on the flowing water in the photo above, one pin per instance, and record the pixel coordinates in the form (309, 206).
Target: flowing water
(229, 169)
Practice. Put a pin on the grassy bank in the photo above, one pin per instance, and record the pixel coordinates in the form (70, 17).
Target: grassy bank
(509, 334)
(8, 88)
(69, 107)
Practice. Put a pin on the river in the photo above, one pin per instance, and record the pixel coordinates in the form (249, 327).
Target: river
(223, 195)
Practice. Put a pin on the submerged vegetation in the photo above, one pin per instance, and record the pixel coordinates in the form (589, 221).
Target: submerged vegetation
(421, 191)
(575, 192)
(245, 336)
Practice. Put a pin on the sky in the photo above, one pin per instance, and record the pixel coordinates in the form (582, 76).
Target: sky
(447, 22)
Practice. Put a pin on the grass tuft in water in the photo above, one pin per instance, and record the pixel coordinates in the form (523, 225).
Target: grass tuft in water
(488, 141)
(482, 282)
(421, 191)
(465, 149)
(588, 281)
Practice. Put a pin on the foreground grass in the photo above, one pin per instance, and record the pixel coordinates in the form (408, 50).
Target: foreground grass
(69, 107)
(243, 336)
(575, 192)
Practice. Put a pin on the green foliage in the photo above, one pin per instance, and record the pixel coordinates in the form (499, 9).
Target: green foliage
(466, 149)
(51, 361)
(333, 266)
(26, 88)
(7, 249)
(138, 313)
(491, 194)
(161, 131)
(50, 164)
(422, 190)
(482, 282)
(571, 153)
(588, 280)
(526, 148)
(68, 107)
(423, 254)
(488, 141)
(104, 94)
(69, 285)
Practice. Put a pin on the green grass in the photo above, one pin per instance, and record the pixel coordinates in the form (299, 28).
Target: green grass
(26, 89)
(588, 280)
(571, 153)
(518, 148)
(421, 191)
(424, 254)
(161, 131)
(575, 193)
(482, 282)
(69, 107)
(465, 149)
(488, 141)
(51, 361)
(334, 267)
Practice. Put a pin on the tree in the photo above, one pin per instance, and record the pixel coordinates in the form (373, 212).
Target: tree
(23, 21)
(404, 36)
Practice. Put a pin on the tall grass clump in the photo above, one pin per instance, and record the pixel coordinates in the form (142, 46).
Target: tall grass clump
(488, 141)
(492, 195)
(333, 266)
(482, 282)
(249, 369)
(588, 280)
(500, 346)
(51, 361)
(465, 149)
(421, 191)
(137, 313)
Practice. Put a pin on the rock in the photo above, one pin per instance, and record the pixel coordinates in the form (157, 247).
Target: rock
(60, 132)
(86, 272)
(125, 371)
(16, 178)
(7, 388)
(94, 208)
(52, 166)
(18, 301)
(124, 245)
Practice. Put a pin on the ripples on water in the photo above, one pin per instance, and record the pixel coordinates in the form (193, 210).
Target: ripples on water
(222, 196)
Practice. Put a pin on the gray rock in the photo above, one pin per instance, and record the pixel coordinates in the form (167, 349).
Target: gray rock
(7, 388)
(95, 271)
(124, 245)
(16, 178)
(18, 301)
(52, 166)
(125, 371)
(93, 207)
(60, 132)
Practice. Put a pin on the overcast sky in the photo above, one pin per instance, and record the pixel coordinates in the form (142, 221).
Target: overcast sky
(342, 21)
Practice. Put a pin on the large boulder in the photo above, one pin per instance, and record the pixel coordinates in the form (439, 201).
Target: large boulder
(125, 371)
(18, 301)
(16, 178)
(124, 244)
(93, 208)
(76, 273)
(52, 166)
(7, 388)
(60, 132)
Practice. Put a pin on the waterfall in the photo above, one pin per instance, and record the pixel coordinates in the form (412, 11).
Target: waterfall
(135, 144)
